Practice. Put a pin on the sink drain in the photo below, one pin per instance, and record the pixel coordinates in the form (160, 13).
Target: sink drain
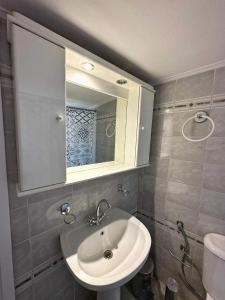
(108, 254)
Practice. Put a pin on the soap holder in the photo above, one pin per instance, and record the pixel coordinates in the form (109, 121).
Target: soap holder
(65, 211)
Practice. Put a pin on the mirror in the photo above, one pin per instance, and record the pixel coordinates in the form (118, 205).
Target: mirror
(91, 121)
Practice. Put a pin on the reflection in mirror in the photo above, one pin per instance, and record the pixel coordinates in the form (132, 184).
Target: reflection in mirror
(90, 126)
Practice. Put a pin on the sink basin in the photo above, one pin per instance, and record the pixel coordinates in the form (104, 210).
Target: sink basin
(104, 257)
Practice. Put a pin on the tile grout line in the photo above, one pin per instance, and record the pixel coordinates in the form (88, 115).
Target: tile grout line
(31, 251)
(205, 152)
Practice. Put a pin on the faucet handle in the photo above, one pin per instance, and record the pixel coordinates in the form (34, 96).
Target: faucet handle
(91, 221)
(101, 217)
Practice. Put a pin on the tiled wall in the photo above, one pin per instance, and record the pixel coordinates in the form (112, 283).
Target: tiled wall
(185, 181)
(39, 272)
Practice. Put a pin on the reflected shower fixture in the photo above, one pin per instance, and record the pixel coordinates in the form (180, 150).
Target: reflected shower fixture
(110, 129)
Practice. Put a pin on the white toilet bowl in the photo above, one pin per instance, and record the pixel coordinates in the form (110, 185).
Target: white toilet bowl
(208, 297)
(214, 266)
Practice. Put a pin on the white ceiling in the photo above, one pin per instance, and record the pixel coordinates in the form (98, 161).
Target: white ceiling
(149, 38)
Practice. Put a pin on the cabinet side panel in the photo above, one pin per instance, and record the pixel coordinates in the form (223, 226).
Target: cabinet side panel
(131, 128)
(145, 126)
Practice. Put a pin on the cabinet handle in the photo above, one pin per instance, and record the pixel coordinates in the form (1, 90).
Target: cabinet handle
(142, 128)
(59, 118)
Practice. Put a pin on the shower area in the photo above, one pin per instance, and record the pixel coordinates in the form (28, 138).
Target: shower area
(80, 136)
(90, 128)
(182, 193)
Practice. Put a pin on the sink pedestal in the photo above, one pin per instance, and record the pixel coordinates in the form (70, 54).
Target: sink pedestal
(113, 294)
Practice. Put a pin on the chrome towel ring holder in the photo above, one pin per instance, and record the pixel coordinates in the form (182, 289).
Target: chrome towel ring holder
(199, 117)
(112, 127)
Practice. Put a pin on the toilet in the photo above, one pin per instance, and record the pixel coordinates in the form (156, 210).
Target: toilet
(214, 266)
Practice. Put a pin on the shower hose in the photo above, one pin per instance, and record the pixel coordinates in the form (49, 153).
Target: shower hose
(186, 261)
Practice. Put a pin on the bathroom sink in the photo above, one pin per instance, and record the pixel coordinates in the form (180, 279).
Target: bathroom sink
(106, 256)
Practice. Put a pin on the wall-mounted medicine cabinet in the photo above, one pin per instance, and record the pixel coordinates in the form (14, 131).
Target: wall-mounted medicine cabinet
(75, 120)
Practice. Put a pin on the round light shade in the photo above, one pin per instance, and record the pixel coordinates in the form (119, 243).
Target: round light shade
(121, 81)
(87, 66)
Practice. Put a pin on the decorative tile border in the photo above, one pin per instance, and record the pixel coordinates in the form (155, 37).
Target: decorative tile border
(26, 280)
(171, 226)
(206, 102)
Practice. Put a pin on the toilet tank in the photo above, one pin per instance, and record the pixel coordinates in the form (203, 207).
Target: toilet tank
(214, 265)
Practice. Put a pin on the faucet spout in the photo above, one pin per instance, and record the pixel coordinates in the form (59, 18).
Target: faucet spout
(99, 213)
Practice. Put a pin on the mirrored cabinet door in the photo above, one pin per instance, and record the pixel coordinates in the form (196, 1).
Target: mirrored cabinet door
(39, 78)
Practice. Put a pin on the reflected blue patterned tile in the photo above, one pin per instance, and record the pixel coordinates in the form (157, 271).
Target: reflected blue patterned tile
(80, 136)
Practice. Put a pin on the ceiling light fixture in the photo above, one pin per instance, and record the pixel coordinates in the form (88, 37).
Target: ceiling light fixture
(87, 66)
(121, 81)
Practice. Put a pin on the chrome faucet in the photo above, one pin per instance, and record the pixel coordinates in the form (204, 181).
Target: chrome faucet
(99, 214)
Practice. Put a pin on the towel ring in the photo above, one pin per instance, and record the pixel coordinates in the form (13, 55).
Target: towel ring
(65, 209)
(110, 125)
(199, 117)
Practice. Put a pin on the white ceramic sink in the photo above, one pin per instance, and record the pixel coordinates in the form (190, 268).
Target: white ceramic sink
(83, 248)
